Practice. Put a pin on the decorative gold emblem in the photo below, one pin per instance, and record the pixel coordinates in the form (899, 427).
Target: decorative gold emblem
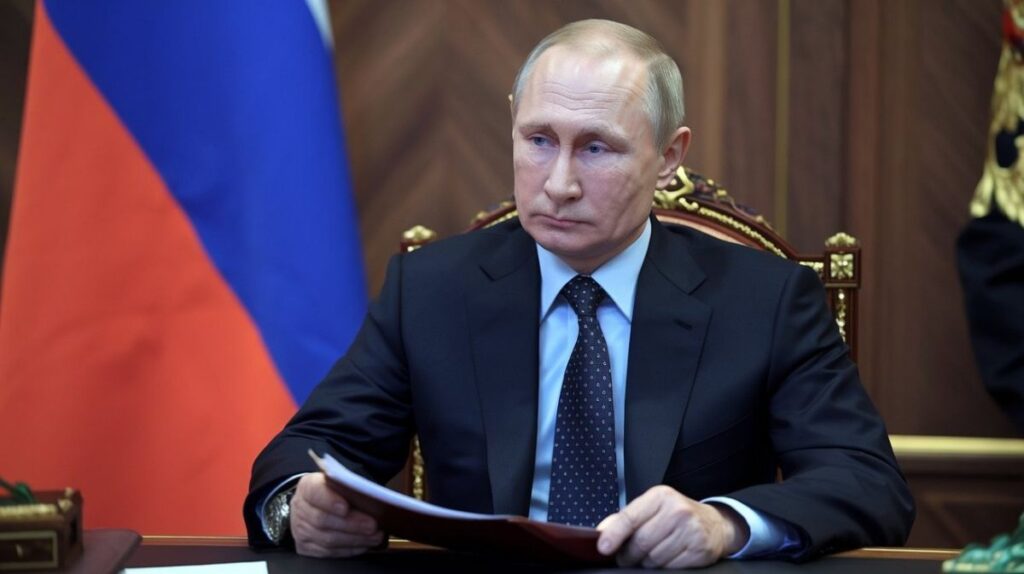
(683, 182)
(664, 199)
(841, 265)
(1003, 185)
(672, 197)
(675, 197)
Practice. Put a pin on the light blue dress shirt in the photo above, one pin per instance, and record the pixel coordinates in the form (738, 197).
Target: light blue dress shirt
(559, 328)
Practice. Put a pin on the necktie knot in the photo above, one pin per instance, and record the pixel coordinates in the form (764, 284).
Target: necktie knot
(584, 295)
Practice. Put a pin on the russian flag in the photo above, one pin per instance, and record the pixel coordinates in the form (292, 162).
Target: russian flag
(183, 262)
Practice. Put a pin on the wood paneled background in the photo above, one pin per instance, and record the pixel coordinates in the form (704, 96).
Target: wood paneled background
(867, 116)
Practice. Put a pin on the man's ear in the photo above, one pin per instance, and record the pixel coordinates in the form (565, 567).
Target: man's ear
(672, 156)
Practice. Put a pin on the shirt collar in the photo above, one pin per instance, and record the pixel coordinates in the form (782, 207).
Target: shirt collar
(617, 276)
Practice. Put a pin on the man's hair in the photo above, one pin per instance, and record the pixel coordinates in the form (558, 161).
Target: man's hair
(663, 100)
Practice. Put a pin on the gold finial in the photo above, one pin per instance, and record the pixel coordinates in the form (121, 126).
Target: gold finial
(419, 234)
(841, 240)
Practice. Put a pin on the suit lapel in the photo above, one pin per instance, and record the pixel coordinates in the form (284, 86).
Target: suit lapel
(668, 330)
(503, 311)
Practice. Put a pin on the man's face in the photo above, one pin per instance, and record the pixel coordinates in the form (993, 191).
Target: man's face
(584, 156)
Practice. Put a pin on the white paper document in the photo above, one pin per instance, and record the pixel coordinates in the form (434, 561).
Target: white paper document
(339, 473)
(230, 568)
(516, 537)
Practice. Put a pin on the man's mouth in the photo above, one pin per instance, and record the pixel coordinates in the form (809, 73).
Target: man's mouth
(558, 222)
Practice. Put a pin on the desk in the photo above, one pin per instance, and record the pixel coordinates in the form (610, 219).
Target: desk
(405, 556)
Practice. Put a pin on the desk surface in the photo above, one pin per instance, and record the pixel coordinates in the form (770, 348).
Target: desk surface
(405, 556)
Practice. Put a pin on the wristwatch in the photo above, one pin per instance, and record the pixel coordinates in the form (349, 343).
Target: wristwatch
(275, 516)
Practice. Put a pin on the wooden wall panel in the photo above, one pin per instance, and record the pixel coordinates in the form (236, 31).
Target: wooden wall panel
(388, 58)
(749, 104)
(968, 497)
(815, 180)
(863, 136)
(919, 117)
(959, 52)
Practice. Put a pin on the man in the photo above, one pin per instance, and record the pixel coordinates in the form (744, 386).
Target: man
(678, 371)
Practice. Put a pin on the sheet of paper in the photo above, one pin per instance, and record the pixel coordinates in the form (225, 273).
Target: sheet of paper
(337, 471)
(230, 568)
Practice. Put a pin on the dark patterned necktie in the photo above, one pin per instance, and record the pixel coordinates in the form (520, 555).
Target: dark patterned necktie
(584, 483)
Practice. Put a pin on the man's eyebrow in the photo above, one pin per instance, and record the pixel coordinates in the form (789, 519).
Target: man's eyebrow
(535, 127)
(610, 136)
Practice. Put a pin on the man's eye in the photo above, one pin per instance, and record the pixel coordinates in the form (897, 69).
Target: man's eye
(539, 140)
(594, 148)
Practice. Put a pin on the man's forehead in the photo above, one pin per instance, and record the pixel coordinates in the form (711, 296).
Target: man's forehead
(571, 61)
(566, 73)
(569, 95)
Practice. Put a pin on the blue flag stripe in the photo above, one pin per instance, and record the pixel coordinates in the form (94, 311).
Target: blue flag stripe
(236, 106)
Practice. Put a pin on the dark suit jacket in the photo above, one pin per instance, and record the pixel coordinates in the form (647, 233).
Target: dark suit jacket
(736, 369)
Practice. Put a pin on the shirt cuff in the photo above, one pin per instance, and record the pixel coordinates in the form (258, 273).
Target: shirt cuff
(768, 535)
(262, 506)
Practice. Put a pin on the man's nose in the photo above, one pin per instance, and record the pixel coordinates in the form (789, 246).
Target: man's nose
(562, 183)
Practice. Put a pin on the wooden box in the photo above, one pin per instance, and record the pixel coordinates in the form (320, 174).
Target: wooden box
(44, 535)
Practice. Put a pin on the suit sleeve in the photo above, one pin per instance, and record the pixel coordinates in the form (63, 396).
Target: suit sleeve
(360, 413)
(841, 485)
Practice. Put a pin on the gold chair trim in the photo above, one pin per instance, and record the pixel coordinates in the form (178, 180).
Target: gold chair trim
(957, 446)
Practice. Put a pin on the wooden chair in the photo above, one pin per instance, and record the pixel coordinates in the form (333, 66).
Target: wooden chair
(698, 202)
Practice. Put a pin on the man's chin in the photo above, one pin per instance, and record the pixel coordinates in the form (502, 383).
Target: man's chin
(557, 241)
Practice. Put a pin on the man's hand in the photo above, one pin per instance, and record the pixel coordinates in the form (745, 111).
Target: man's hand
(664, 529)
(324, 525)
